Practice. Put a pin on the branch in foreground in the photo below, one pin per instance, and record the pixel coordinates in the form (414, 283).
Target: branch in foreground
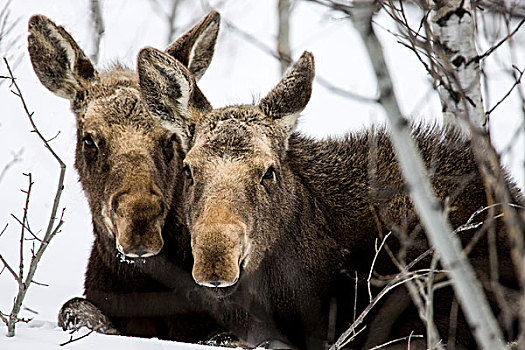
(52, 227)
(71, 339)
(467, 287)
(397, 281)
(486, 156)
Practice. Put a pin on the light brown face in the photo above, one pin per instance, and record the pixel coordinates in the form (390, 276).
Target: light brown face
(235, 183)
(232, 182)
(124, 159)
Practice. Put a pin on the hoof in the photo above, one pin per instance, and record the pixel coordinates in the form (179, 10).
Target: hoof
(78, 312)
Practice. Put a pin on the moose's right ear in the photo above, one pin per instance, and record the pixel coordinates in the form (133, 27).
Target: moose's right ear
(170, 92)
(58, 61)
(195, 48)
(284, 103)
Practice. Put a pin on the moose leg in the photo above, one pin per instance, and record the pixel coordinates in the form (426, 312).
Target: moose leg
(79, 312)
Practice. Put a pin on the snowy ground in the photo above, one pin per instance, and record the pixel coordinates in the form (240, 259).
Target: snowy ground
(44, 335)
(239, 72)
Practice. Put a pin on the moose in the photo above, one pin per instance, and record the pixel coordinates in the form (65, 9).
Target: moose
(286, 225)
(138, 279)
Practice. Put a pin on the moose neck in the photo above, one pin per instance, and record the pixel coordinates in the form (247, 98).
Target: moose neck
(336, 173)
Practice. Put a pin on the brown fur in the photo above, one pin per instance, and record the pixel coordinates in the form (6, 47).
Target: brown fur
(296, 218)
(125, 160)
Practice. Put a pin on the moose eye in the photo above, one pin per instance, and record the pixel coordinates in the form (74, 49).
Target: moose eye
(187, 172)
(88, 142)
(269, 174)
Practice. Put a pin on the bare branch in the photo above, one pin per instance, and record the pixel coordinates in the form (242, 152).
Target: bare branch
(22, 232)
(26, 227)
(437, 227)
(51, 230)
(98, 21)
(8, 40)
(495, 47)
(350, 333)
(10, 269)
(16, 158)
(516, 82)
(409, 338)
(373, 264)
(323, 82)
(283, 35)
(71, 339)
(172, 29)
(4, 229)
(3, 318)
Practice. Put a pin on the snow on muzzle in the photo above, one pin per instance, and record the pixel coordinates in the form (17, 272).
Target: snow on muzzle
(138, 216)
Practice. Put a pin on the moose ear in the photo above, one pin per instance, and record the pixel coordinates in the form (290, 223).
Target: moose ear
(58, 61)
(284, 103)
(195, 48)
(170, 92)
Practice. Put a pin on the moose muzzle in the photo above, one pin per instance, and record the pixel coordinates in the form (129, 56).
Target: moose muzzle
(218, 251)
(138, 217)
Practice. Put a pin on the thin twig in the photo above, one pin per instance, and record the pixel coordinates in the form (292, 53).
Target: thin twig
(320, 80)
(4, 229)
(10, 269)
(71, 339)
(373, 264)
(283, 34)
(516, 82)
(24, 220)
(409, 337)
(350, 334)
(27, 227)
(495, 47)
(16, 158)
(52, 227)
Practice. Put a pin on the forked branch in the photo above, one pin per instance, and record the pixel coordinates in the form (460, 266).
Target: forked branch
(53, 227)
(437, 227)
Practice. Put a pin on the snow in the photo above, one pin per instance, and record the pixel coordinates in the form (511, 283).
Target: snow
(239, 72)
(45, 335)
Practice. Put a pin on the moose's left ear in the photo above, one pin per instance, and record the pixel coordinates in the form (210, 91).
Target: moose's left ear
(284, 103)
(195, 48)
(58, 61)
(170, 92)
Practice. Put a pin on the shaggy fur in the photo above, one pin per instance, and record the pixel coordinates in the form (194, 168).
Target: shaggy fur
(137, 280)
(281, 223)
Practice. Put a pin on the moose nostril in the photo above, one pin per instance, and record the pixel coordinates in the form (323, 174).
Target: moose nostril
(140, 253)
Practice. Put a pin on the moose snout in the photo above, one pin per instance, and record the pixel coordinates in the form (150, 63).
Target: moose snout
(137, 218)
(217, 253)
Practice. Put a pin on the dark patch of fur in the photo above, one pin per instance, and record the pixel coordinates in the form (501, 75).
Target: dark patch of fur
(314, 226)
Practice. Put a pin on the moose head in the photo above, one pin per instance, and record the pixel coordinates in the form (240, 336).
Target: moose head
(124, 158)
(235, 181)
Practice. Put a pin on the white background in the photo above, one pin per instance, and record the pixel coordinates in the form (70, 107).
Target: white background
(240, 72)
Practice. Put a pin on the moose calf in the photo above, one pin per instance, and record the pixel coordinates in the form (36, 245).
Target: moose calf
(282, 224)
(138, 278)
